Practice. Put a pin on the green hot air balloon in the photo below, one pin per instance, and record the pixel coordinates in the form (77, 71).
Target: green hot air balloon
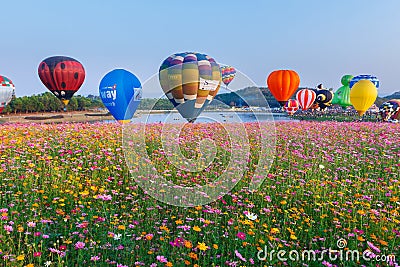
(342, 95)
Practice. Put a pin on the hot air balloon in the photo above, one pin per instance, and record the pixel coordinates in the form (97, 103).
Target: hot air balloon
(323, 98)
(190, 81)
(291, 106)
(342, 94)
(390, 110)
(228, 73)
(362, 95)
(63, 76)
(6, 91)
(371, 78)
(283, 84)
(121, 92)
(306, 98)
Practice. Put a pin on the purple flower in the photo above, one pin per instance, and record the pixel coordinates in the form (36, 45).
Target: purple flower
(237, 253)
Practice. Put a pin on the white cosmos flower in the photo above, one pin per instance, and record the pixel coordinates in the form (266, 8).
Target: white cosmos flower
(251, 216)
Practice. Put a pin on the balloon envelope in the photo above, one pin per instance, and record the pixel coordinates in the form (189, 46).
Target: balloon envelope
(63, 76)
(346, 79)
(323, 98)
(306, 98)
(121, 92)
(371, 78)
(283, 84)
(291, 106)
(363, 95)
(342, 97)
(390, 110)
(228, 73)
(190, 81)
(6, 91)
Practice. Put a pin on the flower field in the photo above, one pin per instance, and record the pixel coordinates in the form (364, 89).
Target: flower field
(67, 198)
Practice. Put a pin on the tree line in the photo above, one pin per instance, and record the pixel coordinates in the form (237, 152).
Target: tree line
(47, 102)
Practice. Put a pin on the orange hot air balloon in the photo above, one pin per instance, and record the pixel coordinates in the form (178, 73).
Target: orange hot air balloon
(283, 84)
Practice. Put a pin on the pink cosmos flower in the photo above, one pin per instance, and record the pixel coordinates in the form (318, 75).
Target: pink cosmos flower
(79, 245)
(241, 235)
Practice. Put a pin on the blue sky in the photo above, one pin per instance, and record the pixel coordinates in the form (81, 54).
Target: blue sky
(321, 40)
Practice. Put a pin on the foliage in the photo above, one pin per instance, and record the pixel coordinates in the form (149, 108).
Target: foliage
(47, 102)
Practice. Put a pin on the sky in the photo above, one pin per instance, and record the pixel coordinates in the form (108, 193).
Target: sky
(320, 40)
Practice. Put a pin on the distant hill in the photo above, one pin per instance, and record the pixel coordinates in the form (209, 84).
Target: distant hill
(395, 95)
(248, 96)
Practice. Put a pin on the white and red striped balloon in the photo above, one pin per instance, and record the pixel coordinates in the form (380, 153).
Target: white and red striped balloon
(306, 98)
(291, 106)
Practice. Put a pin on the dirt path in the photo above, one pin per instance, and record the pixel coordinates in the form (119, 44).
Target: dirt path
(55, 117)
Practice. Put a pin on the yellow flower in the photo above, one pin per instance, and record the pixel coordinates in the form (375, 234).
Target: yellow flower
(196, 228)
(292, 236)
(30, 265)
(21, 257)
(274, 230)
(179, 221)
(283, 202)
(165, 228)
(121, 227)
(202, 246)
(361, 212)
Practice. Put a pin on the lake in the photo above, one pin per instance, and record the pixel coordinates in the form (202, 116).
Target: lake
(211, 116)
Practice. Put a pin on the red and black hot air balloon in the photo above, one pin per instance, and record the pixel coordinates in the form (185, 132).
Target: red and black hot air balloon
(63, 76)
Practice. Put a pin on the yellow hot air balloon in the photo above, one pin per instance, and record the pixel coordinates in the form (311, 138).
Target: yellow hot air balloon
(363, 95)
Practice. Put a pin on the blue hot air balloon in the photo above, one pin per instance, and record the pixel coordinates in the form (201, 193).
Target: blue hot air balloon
(368, 77)
(121, 92)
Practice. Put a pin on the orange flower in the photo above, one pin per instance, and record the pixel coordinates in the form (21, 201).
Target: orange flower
(383, 242)
(193, 255)
(188, 244)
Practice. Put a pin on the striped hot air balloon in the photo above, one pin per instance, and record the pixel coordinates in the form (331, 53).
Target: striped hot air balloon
(228, 73)
(306, 98)
(190, 81)
(291, 106)
(368, 77)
